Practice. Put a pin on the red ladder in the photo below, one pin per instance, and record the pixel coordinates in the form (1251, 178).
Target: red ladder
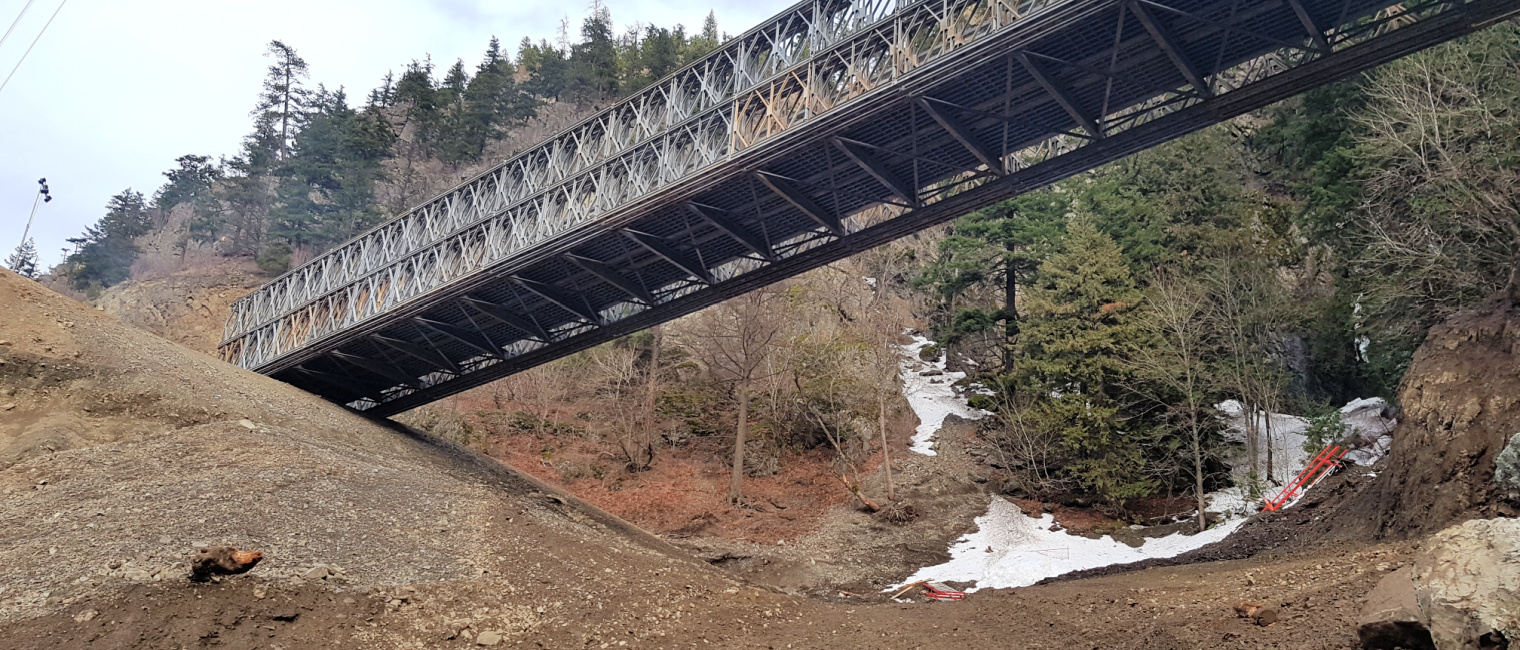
(1318, 468)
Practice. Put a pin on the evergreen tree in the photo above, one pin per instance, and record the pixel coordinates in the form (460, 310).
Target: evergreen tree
(417, 90)
(24, 260)
(548, 71)
(326, 194)
(658, 55)
(594, 61)
(283, 98)
(1185, 199)
(1073, 350)
(490, 103)
(705, 42)
(105, 253)
(191, 183)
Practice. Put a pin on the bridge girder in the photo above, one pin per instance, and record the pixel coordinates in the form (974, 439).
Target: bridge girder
(894, 124)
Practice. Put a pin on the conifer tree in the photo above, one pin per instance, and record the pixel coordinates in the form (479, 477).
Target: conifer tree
(594, 60)
(704, 42)
(24, 260)
(283, 98)
(106, 251)
(1074, 344)
(191, 183)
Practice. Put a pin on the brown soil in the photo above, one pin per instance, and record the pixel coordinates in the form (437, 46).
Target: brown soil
(1185, 607)
(1461, 401)
(124, 452)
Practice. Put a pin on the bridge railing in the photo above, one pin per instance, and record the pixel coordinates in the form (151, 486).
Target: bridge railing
(754, 57)
(599, 196)
(790, 71)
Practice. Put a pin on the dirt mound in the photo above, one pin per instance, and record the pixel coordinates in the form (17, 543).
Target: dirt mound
(188, 308)
(122, 452)
(1461, 401)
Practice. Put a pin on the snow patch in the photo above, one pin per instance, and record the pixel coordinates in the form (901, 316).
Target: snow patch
(1369, 435)
(931, 396)
(1011, 549)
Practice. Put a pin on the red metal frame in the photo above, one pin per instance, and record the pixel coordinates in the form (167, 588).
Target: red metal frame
(1317, 469)
(940, 591)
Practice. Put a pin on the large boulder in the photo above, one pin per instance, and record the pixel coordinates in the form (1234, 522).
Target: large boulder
(1467, 585)
(1391, 618)
(1507, 470)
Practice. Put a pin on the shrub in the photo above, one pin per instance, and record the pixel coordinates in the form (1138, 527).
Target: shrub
(274, 260)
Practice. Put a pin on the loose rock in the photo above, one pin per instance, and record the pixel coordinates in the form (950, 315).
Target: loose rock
(1468, 584)
(1391, 617)
(222, 560)
(1259, 613)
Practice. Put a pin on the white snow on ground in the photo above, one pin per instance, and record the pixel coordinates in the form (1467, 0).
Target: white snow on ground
(1287, 440)
(932, 397)
(1012, 549)
(1368, 433)
(1373, 432)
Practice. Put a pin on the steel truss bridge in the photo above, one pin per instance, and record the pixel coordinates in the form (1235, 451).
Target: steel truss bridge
(836, 126)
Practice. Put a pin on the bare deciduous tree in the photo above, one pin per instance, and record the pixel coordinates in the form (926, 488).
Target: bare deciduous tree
(1175, 370)
(736, 339)
(1440, 229)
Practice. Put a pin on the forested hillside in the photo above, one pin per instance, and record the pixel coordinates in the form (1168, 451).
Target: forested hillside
(1290, 260)
(321, 166)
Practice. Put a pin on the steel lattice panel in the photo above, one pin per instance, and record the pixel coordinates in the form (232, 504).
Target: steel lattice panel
(760, 162)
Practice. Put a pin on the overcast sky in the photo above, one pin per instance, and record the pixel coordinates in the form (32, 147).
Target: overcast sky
(115, 91)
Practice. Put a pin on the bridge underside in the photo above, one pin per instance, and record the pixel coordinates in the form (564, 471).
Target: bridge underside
(1099, 81)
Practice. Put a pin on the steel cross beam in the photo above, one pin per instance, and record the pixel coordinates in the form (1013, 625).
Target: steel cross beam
(795, 170)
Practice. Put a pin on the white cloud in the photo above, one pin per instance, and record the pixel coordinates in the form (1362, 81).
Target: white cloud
(115, 91)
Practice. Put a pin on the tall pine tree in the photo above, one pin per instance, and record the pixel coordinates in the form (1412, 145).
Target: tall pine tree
(1073, 346)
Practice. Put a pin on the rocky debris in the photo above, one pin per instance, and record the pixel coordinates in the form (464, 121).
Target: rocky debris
(488, 638)
(1258, 613)
(1391, 617)
(224, 560)
(188, 308)
(1468, 584)
(1507, 470)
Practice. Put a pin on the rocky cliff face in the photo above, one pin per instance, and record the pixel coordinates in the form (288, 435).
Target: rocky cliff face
(1461, 400)
(188, 308)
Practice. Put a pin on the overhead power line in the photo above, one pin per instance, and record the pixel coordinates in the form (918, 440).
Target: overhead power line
(34, 43)
(16, 22)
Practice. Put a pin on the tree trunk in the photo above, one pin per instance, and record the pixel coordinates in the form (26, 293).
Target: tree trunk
(736, 485)
(886, 450)
(285, 115)
(1253, 450)
(1011, 307)
(1203, 523)
(1271, 477)
(654, 376)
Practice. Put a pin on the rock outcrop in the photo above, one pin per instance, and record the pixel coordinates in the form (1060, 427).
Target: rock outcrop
(188, 308)
(1461, 401)
(1467, 585)
(1507, 470)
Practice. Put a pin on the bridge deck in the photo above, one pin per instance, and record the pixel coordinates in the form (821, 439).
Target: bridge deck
(833, 128)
